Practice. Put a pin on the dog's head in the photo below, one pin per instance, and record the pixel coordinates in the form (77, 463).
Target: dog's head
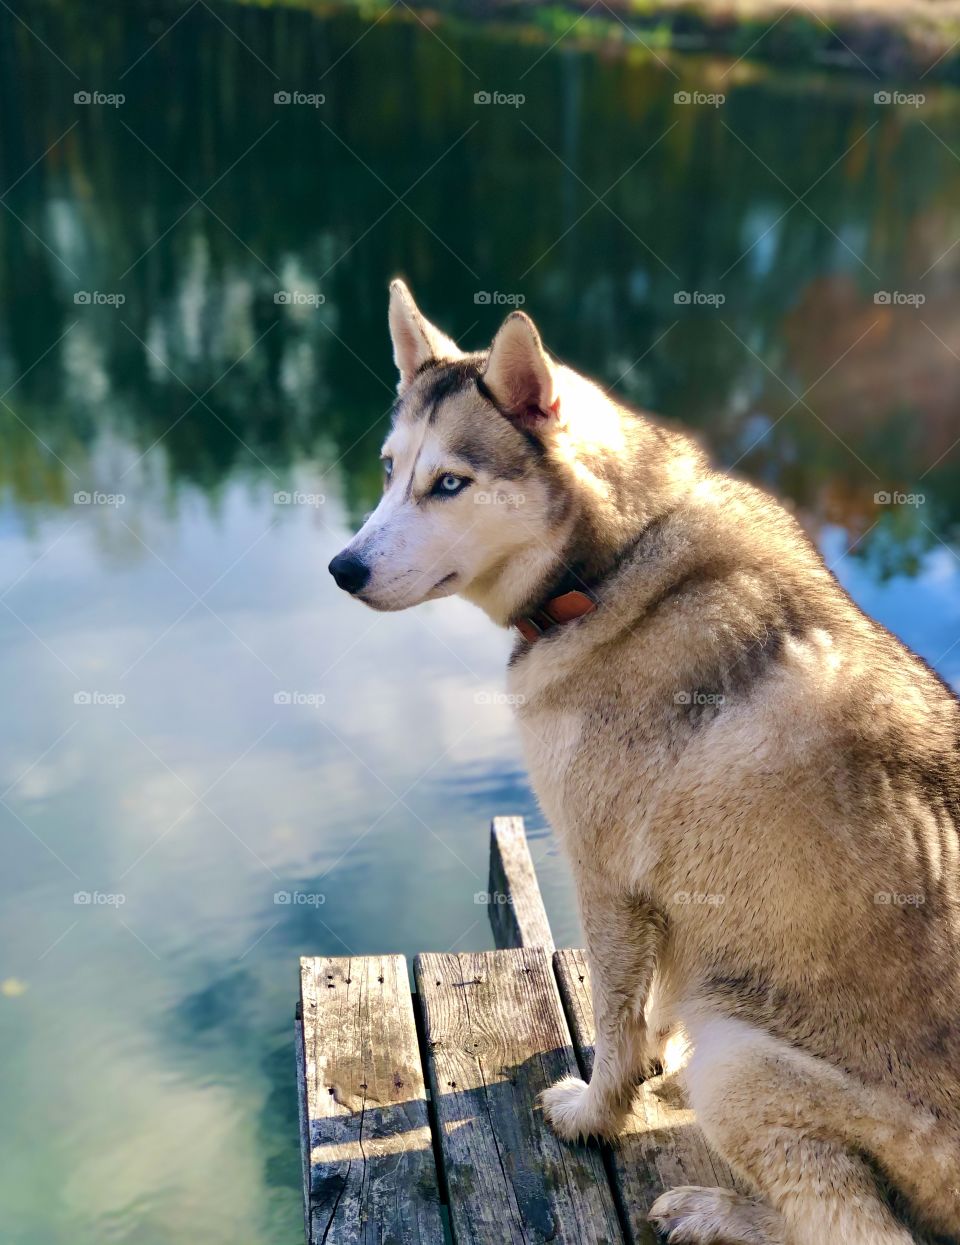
(473, 502)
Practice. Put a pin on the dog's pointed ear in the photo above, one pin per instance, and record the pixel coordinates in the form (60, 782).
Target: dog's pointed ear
(519, 375)
(415, 340)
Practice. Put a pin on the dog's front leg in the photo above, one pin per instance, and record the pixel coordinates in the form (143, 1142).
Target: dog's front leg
(624, 936)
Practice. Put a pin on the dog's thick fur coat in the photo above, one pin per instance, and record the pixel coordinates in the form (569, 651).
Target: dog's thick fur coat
(757, 786)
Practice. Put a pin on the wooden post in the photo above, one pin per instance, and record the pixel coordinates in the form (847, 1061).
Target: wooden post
(517, 915)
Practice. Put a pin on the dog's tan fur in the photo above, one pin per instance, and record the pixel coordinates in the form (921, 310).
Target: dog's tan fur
(758, 788)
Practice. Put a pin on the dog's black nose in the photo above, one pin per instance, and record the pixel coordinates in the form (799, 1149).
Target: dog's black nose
(350, 572)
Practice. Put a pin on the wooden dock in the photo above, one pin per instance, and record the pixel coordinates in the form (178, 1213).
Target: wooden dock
(419, 1115)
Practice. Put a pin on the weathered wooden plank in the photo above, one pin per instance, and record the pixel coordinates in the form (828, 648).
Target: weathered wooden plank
(661, 1145)
(372, 1173)
(495, 1037)
(517, 915)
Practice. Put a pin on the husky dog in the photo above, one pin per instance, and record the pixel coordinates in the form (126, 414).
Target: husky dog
(757, 786)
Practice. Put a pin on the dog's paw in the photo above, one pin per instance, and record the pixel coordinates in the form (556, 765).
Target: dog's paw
(690, 1215)
(571, 1111)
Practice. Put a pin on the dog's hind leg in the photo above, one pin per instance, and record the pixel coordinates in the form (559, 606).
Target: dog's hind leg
(624, 937)
(780, 1118)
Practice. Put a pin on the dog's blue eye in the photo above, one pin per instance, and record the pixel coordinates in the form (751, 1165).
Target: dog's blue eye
(449, 485)
(387, 467)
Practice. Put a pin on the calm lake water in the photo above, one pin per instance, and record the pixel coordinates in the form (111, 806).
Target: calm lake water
(196, 720)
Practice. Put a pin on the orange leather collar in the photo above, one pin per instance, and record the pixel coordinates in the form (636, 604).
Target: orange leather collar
(553, 613)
